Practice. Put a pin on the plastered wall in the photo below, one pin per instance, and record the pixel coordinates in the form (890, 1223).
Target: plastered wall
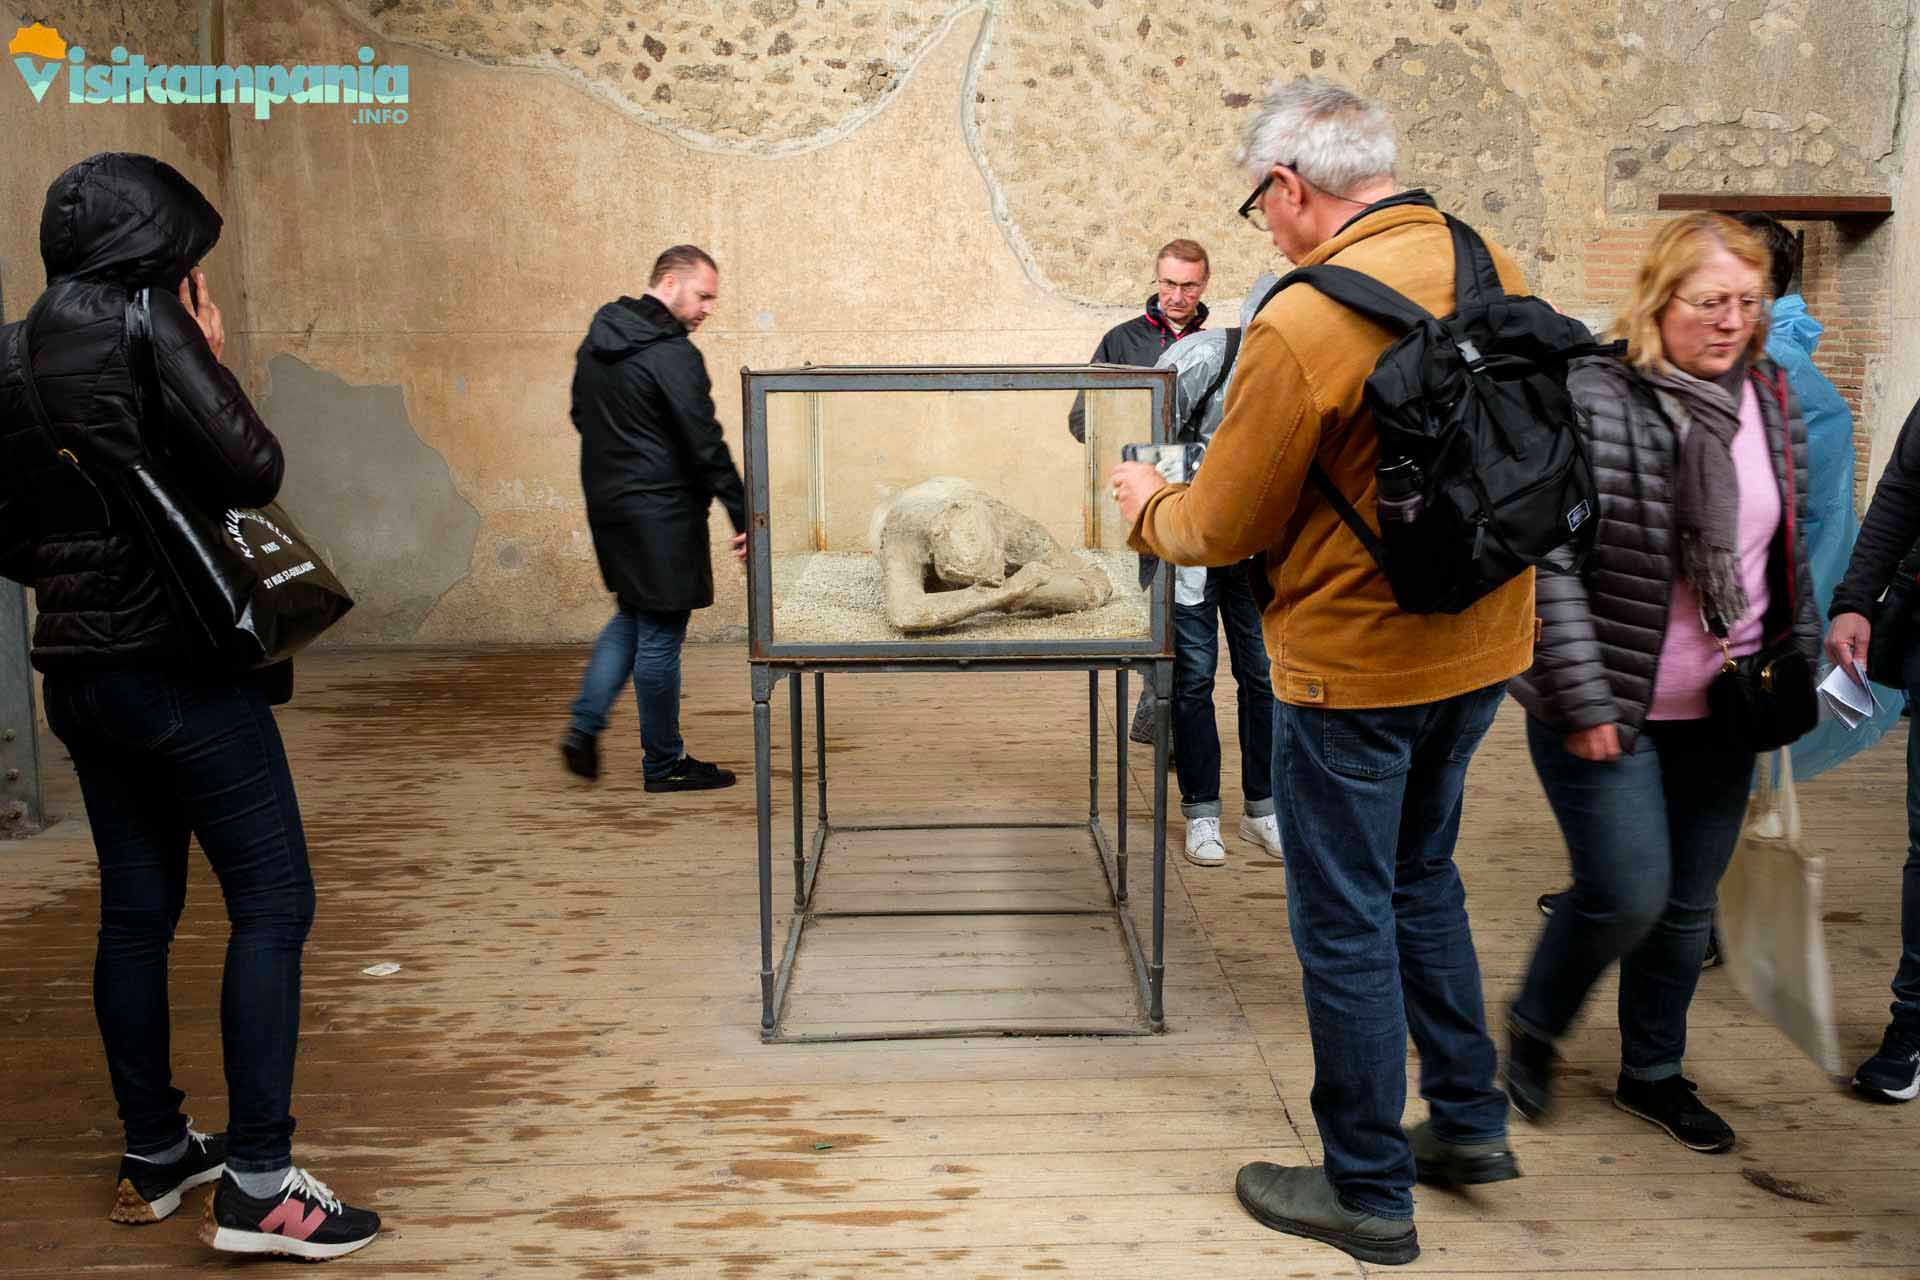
(883, 181)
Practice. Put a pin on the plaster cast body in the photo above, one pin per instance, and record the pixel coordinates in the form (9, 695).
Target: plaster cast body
(949, 550)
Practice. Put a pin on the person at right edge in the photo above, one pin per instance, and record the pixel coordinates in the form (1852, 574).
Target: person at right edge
(1698, 444)
(1377, 711)
(1887, 535)
(170, 745)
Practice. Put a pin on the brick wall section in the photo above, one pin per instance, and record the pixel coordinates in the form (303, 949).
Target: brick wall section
(1846, 279)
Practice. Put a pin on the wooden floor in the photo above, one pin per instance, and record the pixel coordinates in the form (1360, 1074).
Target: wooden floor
(565, 1076)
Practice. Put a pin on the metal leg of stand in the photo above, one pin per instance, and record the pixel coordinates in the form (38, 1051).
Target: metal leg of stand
(1162, 684)
(820, 738)
(763, 800)
(797, 752)
(1093, 746)
(1122, 722)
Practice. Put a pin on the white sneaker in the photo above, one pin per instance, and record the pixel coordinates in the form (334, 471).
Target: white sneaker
(1264, 832)
(1203, 843)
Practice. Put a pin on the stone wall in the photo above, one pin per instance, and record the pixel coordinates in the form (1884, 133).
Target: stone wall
(892, 181)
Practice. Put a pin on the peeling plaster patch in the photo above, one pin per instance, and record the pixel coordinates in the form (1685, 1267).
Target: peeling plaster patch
(378, 499)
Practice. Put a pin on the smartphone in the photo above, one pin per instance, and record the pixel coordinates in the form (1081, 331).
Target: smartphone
(1176, 463)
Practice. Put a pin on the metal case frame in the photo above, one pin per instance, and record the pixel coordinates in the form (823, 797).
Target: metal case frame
(1151, 656)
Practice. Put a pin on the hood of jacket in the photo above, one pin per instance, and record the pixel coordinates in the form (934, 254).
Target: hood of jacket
(1791, 323)
(129, 219)
(627, 325)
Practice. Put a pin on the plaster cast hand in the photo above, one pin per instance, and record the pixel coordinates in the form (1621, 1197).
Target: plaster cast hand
(206, 315)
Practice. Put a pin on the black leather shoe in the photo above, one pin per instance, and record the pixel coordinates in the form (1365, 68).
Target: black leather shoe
(1671, 1104)
(1459, 1164)
(693, 775)
(1528, 1073)
(581, 751)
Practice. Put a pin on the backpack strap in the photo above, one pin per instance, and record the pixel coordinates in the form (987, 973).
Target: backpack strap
(1190, 429)
(1358, 291)
(1348, 516)
(1476, 280)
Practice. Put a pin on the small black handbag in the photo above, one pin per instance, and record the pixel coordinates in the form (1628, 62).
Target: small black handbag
(246, 583)
(1765, 700)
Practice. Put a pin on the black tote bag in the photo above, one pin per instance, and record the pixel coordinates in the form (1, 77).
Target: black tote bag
(246, 583)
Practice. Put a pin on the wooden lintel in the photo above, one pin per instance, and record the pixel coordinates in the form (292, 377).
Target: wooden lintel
(1787, 208)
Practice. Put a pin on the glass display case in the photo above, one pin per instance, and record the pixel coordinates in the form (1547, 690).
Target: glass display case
(930, 512)
(938, 520)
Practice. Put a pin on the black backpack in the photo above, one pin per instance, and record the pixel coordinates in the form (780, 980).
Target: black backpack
(1483, 471)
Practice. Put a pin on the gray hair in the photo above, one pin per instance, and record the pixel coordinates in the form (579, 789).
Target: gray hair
(1330, 136)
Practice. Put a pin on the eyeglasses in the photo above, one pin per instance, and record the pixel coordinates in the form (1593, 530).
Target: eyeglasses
(1251, 209)
(1715, 307)
(1190, 289)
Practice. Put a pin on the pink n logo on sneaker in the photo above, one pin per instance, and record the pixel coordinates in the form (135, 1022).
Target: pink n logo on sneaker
(286, 1219)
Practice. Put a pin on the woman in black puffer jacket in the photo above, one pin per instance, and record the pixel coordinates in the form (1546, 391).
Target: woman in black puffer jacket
(167, 743)
(1700, 456)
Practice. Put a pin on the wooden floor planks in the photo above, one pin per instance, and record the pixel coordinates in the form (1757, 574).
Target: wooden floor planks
(565, 1078)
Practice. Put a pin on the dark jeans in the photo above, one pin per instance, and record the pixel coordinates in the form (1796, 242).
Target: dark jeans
(1369, 805)
(645, 646)
(161, 757)
(1906, 978)
(1196, 735)
(1649, 834)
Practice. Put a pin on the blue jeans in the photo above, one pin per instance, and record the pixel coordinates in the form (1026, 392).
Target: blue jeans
(160, 757)
(1196, 735)
(1906, 978)
(1369, 805)
(1649, 834)
(645, 646)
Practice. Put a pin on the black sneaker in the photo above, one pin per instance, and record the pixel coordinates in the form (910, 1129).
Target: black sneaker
(303, 1219)
(1550, 902)
(1893, 1074)
(149, 1192)
(1671, 1104)
(1141, 730)
(1527, 1073)
(693, 775)
(581, 751)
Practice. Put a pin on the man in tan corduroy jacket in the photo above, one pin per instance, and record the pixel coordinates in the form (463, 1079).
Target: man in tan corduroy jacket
(1378, 711)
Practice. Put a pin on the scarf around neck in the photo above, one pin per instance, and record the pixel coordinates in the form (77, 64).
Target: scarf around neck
(1706, 486)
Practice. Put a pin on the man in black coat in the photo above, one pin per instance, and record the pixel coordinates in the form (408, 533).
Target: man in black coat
(1887, 539)
(1173, 311)
(652, 460)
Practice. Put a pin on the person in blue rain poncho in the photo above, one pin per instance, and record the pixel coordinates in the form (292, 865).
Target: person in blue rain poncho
(1832, 524)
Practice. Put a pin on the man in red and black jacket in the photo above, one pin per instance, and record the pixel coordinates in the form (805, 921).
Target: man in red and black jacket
(1173, 311)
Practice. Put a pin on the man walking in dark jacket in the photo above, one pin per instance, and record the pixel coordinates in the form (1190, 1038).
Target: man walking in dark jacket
(652, 460)
(1173, 311)
(1887, 539)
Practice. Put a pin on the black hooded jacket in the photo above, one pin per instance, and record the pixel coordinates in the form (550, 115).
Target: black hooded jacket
(652, 458)
(1137, 341)
(113, 224)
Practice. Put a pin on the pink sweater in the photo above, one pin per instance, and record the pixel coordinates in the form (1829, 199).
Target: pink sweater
(1690, 657)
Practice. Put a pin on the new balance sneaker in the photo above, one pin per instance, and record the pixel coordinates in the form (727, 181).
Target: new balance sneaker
(303, 1219)
(1203, 843)
(1671, 1104)
(1893, 1074)
(1263, 831)
(149, 1191)
(692, 775)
